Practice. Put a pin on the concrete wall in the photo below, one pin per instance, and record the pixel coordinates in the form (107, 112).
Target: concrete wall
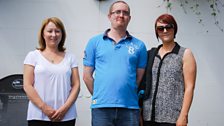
(20, 21)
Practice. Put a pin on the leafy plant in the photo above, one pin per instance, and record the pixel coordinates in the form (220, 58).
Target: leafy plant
(214, 6)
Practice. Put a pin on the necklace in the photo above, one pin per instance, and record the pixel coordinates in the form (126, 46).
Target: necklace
(52, 61)
(53, 57)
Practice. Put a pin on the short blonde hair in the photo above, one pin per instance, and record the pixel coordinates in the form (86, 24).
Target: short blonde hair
(119, 1)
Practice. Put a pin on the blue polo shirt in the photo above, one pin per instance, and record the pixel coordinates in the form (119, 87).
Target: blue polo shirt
(115, 67)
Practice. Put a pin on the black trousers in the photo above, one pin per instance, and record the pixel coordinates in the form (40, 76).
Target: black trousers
(149, 123)
(49, 123)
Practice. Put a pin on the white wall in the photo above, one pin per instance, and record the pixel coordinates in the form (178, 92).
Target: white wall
(20, 21)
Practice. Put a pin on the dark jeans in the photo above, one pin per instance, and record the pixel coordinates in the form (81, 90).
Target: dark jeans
(149, 123)
(115, 117)
(49, 123)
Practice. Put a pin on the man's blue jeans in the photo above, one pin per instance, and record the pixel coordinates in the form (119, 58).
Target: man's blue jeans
(115, 117)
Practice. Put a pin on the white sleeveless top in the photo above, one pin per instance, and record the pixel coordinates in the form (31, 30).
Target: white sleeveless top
(52, 82)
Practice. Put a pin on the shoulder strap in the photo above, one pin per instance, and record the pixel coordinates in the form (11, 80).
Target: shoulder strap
(148, 73)
(151, 55)
(144, 85)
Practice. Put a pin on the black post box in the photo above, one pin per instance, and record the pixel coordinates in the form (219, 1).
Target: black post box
(13, 101)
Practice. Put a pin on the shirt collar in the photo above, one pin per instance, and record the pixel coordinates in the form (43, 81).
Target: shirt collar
(105, 35)
(175, 49)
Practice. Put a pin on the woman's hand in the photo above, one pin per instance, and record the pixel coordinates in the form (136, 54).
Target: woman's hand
(182, 121)
(48, 110)
(59, 114)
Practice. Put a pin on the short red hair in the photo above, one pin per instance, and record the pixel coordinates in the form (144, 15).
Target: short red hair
(168, 19)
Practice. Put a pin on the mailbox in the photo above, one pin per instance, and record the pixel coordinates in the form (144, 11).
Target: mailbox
(13, 101)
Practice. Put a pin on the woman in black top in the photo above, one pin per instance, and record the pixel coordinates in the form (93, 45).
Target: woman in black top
(169, 93)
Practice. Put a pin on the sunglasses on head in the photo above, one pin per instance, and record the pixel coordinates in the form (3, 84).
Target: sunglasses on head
(167, 27)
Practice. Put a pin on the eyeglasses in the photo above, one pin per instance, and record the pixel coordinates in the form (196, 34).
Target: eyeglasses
(118, 12)
(167, 27)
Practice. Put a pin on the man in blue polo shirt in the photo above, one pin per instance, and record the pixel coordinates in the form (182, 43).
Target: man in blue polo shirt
(114, 64)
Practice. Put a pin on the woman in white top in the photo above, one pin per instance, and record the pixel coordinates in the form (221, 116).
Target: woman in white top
(51, 78)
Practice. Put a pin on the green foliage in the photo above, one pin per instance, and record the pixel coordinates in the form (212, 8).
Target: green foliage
(214, 6)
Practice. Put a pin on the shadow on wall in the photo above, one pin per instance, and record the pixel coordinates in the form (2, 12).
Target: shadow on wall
(13, 101)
